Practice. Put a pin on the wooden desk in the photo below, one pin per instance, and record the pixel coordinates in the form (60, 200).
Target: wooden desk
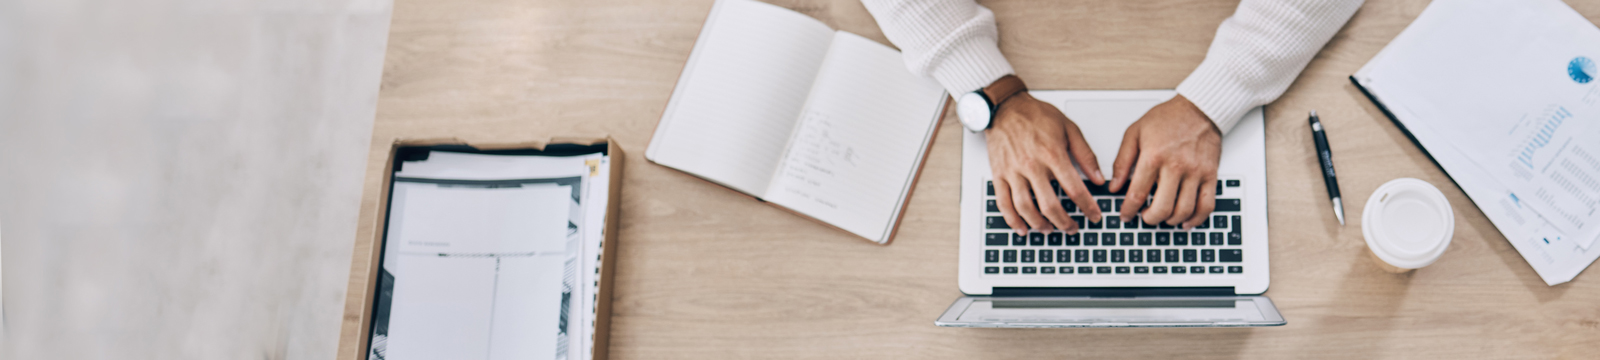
(708, 273)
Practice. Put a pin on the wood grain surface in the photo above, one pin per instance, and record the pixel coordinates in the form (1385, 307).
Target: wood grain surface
(705, 272)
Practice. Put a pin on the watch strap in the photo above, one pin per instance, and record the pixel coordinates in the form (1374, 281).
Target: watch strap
(1003, 89)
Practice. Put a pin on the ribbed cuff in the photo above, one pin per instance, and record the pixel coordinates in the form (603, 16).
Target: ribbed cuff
(1215, 90)
(970, 65)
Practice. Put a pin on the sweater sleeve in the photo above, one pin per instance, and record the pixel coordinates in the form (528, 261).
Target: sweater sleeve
(954, 41)
(1259, 51)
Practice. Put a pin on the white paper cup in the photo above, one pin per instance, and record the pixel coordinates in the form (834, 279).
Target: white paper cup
(1408, 223)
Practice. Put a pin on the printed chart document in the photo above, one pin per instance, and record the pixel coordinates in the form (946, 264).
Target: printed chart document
(826, 123)
(490, 257)
(1502, 94)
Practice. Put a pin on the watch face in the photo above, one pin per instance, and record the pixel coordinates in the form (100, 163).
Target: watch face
(974, 111)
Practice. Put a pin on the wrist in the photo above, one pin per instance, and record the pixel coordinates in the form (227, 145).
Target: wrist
(978, 109)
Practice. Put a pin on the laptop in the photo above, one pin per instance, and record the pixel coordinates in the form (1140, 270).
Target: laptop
(1119, 272)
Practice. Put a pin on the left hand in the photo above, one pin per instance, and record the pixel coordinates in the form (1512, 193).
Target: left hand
(1174, 148)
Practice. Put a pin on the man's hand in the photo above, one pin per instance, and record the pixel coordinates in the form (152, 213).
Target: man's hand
(1174, 148)
(1030, 144)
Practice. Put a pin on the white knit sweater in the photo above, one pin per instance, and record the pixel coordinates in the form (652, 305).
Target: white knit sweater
(1256, 54)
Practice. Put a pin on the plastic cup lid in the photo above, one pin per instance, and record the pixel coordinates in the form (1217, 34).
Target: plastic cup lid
(1408, 223)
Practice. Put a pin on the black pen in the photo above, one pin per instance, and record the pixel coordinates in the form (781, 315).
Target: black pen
(1325, 157)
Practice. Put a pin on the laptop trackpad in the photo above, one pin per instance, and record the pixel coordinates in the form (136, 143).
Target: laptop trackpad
(1207, 311)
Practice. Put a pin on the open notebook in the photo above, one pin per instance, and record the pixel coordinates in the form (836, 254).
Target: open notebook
(776, 105)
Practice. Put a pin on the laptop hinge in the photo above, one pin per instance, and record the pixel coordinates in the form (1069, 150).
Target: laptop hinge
(1115, 291)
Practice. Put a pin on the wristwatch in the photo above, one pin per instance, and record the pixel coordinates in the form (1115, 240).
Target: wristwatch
(976, 109)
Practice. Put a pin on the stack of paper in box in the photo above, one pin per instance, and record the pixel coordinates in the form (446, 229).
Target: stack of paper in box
(494, 254)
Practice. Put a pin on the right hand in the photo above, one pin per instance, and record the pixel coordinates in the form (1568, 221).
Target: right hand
(1031, 143)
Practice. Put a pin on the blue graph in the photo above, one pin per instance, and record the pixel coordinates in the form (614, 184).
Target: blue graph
(1581, 69)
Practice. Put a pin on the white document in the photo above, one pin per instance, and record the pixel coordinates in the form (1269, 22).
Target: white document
(776, 105)
(1496, 92)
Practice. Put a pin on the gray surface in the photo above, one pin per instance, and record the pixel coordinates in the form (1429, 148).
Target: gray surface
(180, 179)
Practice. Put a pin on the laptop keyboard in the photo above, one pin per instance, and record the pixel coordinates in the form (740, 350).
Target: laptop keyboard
(1118, 246)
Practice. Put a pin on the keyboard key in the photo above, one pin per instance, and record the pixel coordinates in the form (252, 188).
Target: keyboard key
(1072, 239)
(1010, 269)
(1091, 239)
(1144, 239)
(1081, 256)
(1152, 255)
(1099, 256)
(1135, 255)
(1235, 269)
(991, 270)
(1102, 270)
(1172, 255)
(995, 239)
(1086, 270)
(1163, 239)
(1188, 255)
(1105, 205)
(1046, 255)
(1219, 187)
(1236, 227)
(991, 187)
(1235, 239)
(1159, 269)
(1070, 206)
(1118, 255)
(1141, 270)
(991, 256)
(1204, 224)
(1029, 270)
(1216, 270)
(1078, 219)
(1047, 269)
(1036, 239)
(1063, 255)
(1230, 255)
(996, 222)
(991, 206)
(1233, 183)
(1147, 225)
(1219, 221)
(1126, 239)
(1019, 239)
(1131, 223)
(1066, 270)
(1095, 225)
(1108, 239)
(1009, 256)
(1054, 238)
(1208, 255)
(1122, 269)
(1027, 255)
(1056, 186)
(1180, 270)
(1197, 269)
(1113, 222)
(1197, 239)
(1229, 205)
(1216, 238)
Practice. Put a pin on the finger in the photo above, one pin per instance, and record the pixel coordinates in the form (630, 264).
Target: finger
(1139, 184)
(1204, 203)
(1123, 166)
(1049, 204)
(1188, 192)
(1083, 155)
(1022, 200)
(1166, 195)
(1073, 186)
(1002, 194)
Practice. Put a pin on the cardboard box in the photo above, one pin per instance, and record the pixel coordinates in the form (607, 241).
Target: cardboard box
(356, 327)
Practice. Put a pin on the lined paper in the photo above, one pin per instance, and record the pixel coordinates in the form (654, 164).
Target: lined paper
(738, 98)
(857, 147)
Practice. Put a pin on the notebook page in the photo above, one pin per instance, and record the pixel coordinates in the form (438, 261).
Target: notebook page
(740, 93)
(860, 139)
